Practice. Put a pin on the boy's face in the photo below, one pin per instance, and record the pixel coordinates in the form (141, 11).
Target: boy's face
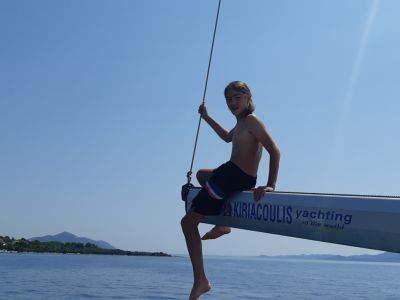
(237, 102)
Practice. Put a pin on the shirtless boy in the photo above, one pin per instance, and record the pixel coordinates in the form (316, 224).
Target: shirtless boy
(248, 138)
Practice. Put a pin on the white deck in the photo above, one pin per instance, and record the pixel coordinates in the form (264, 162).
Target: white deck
(362, 221)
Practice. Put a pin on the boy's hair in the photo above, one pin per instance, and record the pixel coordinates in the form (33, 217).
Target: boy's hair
(241, 87)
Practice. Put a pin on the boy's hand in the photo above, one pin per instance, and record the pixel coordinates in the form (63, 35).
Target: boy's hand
(260, 191)
(203, 110)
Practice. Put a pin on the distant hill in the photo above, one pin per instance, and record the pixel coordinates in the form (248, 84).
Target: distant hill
(66, 237)
(382, 257)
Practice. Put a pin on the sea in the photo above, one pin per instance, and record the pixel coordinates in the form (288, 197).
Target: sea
(63, 276)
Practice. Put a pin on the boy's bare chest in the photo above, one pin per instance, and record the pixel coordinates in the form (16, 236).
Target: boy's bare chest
(242, 136)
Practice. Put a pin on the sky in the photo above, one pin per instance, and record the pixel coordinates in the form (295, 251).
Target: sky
(99, 99)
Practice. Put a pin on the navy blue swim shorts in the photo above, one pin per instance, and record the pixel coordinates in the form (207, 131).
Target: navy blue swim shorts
(225, 180)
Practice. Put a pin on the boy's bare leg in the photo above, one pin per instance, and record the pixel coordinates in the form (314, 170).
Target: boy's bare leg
(216, 232)
(202, 176)
(189, 224)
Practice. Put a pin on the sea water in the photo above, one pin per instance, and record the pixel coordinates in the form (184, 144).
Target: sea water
(57, 276)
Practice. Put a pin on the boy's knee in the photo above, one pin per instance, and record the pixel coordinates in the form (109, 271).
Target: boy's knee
(184, 222)
(188, 221)
(202, 176)
(199, 176)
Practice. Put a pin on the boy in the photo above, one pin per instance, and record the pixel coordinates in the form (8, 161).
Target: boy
(248, 138)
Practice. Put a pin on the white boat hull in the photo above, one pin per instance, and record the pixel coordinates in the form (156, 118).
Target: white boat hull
(362, 221)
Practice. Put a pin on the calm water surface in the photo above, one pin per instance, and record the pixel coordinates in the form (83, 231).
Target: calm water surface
(52, 276)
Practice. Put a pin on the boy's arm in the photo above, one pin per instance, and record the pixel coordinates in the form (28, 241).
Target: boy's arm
(221, 131)
(257, 128)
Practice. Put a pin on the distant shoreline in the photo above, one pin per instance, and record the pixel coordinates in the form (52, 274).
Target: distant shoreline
(382, 257)
(143, 254)
(11, 245)
(385, 257)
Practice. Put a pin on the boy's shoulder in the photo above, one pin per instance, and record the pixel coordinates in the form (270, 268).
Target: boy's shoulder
(253, 123)
(253, 119)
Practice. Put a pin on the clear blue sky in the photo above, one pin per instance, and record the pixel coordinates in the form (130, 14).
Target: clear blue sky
(98, 110)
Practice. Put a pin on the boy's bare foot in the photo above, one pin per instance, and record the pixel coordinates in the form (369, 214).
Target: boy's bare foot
(199, 289)
(216, 232)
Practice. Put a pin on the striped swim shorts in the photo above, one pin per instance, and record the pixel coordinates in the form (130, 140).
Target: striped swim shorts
(225, 180)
